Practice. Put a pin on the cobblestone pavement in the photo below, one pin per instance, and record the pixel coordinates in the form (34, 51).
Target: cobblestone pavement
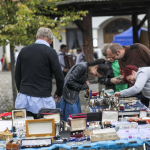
(6, 97)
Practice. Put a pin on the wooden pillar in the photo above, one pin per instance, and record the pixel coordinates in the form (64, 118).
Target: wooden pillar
(135, 28)
(87, 35)
(148, 18)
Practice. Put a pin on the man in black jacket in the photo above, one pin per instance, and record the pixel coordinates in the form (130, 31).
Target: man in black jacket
(35, 65)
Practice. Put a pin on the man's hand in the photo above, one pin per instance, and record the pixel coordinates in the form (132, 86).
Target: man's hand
(88, 83)
(117, 94)
(65, 70)
(115, 81)
(58, 99)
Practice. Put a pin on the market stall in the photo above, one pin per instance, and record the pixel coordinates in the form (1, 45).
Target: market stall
(113, 123)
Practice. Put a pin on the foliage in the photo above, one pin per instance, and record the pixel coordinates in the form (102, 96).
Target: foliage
(8, 109)
(20, 19)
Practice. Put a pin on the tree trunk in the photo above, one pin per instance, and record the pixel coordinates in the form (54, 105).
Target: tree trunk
(14, 89)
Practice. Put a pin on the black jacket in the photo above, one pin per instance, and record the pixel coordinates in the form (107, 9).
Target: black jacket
(35, 65)
(75, 81)
(106, 81)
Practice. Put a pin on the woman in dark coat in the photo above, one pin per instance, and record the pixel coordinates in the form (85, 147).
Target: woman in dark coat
(76, 81)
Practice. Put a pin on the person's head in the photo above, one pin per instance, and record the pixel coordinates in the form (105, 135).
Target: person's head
(74, 51)
(104, 52)
(98, 68)
(44, 34)
(79, 50)
(63, 48)
(83, 48)
(130, 74)
(115, 51)
(70, 51)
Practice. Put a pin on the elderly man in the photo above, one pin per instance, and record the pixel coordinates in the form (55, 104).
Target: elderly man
(136, 54)
(81, 57)
(35, 65)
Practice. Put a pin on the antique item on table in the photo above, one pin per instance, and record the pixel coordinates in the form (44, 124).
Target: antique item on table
(68, 61)
(36, 143)
(77, 134)
(40, 128)
(18, 119)
(6, 135)
(104, 135)
(131, 105)
(108, 115)
(78, 124)
(5, 116)
(49, 113)
(92, 117)
(14, 144)
(65, 135)
(86, 95)
(126, 126)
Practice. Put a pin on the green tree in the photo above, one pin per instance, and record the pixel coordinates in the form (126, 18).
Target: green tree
(20, 19)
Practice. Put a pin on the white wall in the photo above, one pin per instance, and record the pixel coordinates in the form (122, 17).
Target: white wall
(1, 52)
(56, 43)
(19, 47)
(8, 52)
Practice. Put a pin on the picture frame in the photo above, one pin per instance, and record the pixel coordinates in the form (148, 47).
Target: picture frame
(34, 128)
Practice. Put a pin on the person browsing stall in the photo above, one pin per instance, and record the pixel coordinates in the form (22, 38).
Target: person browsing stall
(61, 54)
(76, 80)
(114, 77)
(81, 57)
(136, 54)
(33, 75)
(140, 77)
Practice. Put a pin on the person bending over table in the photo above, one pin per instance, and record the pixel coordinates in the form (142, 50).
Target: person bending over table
(76, 81)
(140, 77)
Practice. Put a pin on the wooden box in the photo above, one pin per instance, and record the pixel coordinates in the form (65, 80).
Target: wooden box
(11, 145)
(40, 128)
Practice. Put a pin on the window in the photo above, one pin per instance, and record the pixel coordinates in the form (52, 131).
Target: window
(95, 38)
(115, 27)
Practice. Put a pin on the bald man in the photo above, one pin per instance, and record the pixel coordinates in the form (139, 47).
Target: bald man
(136, 54)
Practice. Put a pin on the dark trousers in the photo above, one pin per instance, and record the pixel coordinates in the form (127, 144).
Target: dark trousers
(32, 114)
(143, 99)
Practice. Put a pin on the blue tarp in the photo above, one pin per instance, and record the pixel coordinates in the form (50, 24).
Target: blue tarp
(126, 37)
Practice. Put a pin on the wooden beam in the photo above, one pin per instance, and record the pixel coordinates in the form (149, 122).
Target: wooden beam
(135, 29)
(142, 22)
(148, 18)
(79, 24)
(88, 40)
